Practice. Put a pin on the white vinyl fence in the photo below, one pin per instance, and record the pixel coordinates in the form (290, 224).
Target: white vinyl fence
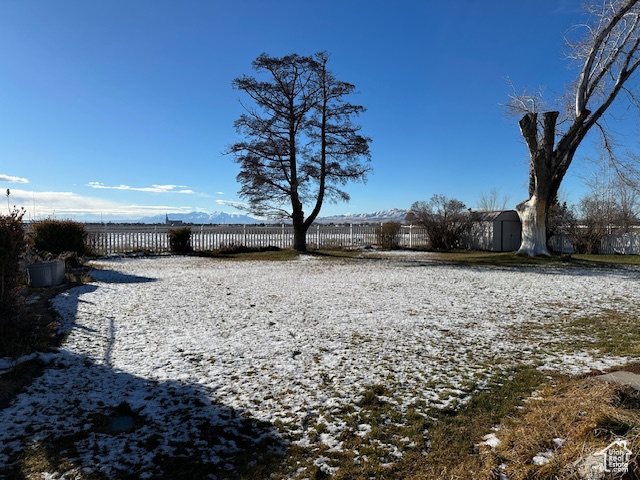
(614, 244)
(104, 239)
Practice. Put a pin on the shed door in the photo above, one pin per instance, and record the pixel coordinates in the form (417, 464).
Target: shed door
(510, 236)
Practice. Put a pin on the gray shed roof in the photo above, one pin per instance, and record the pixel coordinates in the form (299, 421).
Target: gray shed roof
(506, 215)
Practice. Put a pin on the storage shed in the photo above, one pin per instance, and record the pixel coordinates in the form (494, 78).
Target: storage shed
(495, 231)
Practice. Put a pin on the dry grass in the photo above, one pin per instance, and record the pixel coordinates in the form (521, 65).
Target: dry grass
(586, 414)
(455, 436)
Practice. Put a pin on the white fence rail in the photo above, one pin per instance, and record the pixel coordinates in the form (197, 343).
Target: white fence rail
(113, 238)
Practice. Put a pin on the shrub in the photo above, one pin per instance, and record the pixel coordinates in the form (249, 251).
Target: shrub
(180, 240)
(12, 246)
(59, 236)
(587, 238)
(587, 233)
(387, 235)
(445, 219)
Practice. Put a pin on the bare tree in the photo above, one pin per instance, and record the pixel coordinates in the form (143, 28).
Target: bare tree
(609, 54)
(611, 192)
(301, 144)
(589, 228)
(492, 201)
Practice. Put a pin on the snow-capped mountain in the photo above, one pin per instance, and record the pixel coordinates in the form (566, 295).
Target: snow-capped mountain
(222, 218)
(390, 215)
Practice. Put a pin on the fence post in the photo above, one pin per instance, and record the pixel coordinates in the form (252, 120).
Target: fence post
(411, 236)
(105, 250)
(244, 234)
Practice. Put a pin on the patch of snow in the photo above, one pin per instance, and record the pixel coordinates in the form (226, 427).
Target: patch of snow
(8, 364)
(491, 440)
(542, 458)
(323, 463)
(559, 442)
(333, 443)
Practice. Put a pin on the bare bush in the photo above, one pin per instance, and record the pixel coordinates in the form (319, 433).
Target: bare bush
(446, 221)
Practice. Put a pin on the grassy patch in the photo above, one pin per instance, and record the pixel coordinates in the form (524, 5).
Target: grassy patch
(610, 332)
(510, 259)
(337, 253)
(463, 257)
(499, 259)
(384, 443)
(609, 259)
(613, 333)
(454, 437)
(259, 253)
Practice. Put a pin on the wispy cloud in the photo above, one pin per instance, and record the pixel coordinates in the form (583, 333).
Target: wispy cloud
(152, 189)
(234, 204)
(12, 179)
(72, 205)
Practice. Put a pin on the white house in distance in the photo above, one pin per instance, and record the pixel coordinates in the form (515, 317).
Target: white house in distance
(499, 231)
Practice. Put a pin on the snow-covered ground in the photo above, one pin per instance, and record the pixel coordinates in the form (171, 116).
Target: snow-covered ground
(207, 356)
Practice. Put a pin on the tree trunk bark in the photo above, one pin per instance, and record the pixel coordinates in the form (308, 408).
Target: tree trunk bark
(300, 238)
(299, 229)
(533, 215)
(544, 181)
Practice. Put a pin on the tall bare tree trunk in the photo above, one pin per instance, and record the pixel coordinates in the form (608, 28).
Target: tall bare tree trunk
(545, 173)
(547, 167)
(533, 215)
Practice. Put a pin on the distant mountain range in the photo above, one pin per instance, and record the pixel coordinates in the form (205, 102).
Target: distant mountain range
(391, 215)
(203, 218)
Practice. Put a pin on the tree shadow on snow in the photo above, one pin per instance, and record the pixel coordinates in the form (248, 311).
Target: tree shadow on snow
(82, 415)
(114, 276)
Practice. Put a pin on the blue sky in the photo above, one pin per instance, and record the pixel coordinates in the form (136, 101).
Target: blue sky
(124, 108)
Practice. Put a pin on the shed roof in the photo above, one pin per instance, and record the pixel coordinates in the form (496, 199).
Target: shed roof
(492, 216)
